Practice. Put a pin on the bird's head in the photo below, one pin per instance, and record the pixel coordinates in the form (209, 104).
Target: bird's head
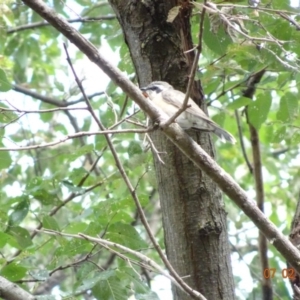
(155, 88)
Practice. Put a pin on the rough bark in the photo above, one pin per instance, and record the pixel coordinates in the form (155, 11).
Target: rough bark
(295, 239)
(194, 218)
(179, 138)
(11, 291)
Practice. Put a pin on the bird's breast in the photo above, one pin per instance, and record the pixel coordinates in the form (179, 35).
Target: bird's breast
(168, 108)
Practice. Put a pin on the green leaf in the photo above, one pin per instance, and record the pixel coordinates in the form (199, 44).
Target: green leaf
(76, 227)
(112, 288)
(73, 188)
(22, 56)
(114, 210)
(218, 42)
(91, 282)
(134, 148)
(21, 235)
(288, 109)
(20, 211)
(43, 190)
(74, 247)
(126, 235)
(240, 102)
(279, 134)
(50, 223)
(36, 60)
(5, 159)
(130, 275)
(296, 137)
(40, 274)
(4, 83)
(4, 238)
(13, 272)
(75, 176)
(6, 116)
(219, 118)
(80, 152)
(258, 110)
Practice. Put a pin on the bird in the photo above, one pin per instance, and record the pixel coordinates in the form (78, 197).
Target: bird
(164, 96)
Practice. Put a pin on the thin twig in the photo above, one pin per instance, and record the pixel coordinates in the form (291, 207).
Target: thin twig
(43, 24)
(112, 245)
(126, 119)
(241, 138)
(49, 100)
(64, 203)
(253, 80)
(132, 191)
(288, 18)
(214, 10)
(154, 148)
(198, 49)
(124, 106)
(74, 136)
(230, 88)
(259, 8)
(137, 124)
(41, 111)
(177, 136)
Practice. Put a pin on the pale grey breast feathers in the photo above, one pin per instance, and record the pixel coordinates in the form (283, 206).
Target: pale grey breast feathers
(170, 100)
(193, 116)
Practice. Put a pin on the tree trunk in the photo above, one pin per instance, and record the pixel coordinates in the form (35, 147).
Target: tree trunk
(194, 218)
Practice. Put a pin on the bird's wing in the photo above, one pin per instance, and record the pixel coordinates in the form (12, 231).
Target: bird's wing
(170, 96)
(176, 98)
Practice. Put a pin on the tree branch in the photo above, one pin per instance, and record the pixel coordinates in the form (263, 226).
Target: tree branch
(191, 149)
(73, 136)
(238, 121)
(11, 291)
(111, 245)
(44, 24)
(49, 100)
(132, 191)
(185, 104)
(63, 203)
(267, 291)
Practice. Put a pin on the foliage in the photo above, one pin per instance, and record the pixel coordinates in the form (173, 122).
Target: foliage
(74, 185)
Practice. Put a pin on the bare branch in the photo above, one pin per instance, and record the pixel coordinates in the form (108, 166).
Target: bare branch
(41, 111)
(185, 104)
(11, 291)
(66, 201)
(110, 245)
(49, 100)
(44, 24)
(267, 290)
(214, 10)
(154, 148)
(74, 136)
(191, 149)
(241, 138)
(132, 191)
(288, 18)
(259, 8)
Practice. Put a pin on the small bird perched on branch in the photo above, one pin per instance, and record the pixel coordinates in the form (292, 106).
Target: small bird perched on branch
(170, 101)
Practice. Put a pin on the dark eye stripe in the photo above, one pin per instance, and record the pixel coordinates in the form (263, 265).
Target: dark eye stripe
(155, 88)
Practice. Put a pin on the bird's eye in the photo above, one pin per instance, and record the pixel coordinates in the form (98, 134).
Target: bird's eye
(155, 88)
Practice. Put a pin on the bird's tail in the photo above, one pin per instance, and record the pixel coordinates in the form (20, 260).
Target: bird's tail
(224, 135)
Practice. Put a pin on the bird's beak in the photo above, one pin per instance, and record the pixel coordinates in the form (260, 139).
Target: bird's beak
(144, 92)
